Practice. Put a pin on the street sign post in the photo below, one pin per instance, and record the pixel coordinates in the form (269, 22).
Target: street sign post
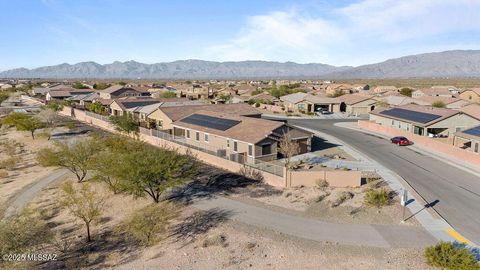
(403, 202)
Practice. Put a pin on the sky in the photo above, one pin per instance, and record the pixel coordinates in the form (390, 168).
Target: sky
(49, 32)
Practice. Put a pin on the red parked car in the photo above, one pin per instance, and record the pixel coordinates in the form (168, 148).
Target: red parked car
(400, 140)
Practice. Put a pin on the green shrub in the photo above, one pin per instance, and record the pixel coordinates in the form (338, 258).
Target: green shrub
(445, 255)
(377, 197)
(147, 224)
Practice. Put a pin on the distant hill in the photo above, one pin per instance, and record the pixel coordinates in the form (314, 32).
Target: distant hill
(449, 64)
(185, 69)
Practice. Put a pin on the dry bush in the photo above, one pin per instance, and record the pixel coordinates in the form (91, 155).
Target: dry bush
(322, 183)
(10, 163)
(345, 195)
(251, 173)
(3, 174)
(23, 232)
(216, 240)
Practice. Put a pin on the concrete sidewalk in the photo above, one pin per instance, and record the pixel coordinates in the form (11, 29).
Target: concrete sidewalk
(432, 222)
(383, 236)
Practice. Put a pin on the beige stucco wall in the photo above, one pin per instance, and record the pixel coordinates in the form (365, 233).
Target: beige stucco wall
(429, 143)
(161, 118)
(334, 178)
(470, 96)
(115, 108)
(363, 107)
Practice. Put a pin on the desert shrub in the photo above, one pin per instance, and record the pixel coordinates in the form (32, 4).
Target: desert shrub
(3, 174)
(216, 240)
(345, 195)
(23, 232)
(147, 224)
(322, 183)
(377, 197)
(445, 255)
(250, 173)
(70, 125)
(10, 163)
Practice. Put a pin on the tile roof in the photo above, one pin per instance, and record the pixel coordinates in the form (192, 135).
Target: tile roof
(251, 130)
(238, 108)
(351, 99)
(473, 110)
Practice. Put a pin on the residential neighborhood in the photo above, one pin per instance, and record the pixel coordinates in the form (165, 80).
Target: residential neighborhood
(240, 135)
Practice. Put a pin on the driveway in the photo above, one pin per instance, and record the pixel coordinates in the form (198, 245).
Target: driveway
(456, 191)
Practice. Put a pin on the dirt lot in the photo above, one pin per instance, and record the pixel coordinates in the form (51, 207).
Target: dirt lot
(27, 170)
(232, 245)
(318, 203)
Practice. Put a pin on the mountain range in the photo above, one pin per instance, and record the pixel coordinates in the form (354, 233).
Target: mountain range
(448, 64)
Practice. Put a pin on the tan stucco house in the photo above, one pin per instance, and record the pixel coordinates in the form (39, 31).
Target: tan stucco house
(472, 95)
(423, 120)
(236, 137)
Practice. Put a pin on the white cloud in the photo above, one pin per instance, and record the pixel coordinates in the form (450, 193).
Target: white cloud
(358, 33)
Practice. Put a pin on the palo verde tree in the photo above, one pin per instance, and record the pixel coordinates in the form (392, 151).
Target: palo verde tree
(24, 122)
(76, 156)
(150, 171)
(83, 203)
(125, 123)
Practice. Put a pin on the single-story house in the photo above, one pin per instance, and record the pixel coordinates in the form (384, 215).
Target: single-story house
(164, 116)
(121, 106)
(119, 91)
(468, 139)
(423, 120)
(84, 99)
(472, 95)
(357, 104)
(64, 93)
(435, 92)
(399, 100)
(450, 102)
(307, 103)
(384, 88)
(238, 137)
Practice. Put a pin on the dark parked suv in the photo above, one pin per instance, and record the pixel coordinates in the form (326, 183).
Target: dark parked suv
(400, 140)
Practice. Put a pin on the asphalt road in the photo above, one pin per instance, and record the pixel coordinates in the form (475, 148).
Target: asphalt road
(456, 192)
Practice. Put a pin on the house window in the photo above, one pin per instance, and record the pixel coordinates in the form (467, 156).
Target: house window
(197, 136)
(228, 143)
(393, 122)
(188, 133)
(235, 146)
(160, 124)
(206, 137)
(266, 149)
(476, 147)
(301, 107)
(250, 150)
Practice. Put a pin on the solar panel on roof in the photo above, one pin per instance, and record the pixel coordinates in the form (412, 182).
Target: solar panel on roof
(473, 131)
(210, 121)
(419, 117)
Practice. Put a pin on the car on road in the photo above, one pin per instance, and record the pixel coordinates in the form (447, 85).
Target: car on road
(400, 140)
(323, 112)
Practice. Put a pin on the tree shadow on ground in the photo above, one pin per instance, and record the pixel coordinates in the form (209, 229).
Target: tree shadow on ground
(199, 223)
(321, 144)
(82, 254)
(213, 181)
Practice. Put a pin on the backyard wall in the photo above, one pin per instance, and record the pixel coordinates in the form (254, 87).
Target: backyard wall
(290, 179)
(334, 178)
(431, 144)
